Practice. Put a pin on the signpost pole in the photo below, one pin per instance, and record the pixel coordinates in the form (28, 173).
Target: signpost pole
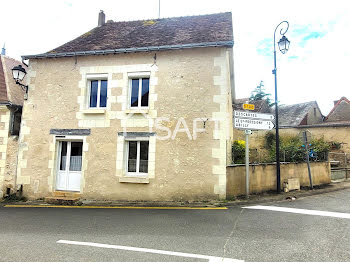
(307, 157)
(247, 133)
(247, 121)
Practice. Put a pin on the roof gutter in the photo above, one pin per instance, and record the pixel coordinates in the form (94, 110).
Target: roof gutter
(130, 50)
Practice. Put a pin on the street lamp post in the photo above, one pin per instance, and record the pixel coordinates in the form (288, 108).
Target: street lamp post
(283, 45)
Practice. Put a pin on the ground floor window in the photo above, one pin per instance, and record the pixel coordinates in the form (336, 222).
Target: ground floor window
(137, 157)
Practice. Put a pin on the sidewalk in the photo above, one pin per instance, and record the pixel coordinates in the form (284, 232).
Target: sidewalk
(219, 204)
(304, 192)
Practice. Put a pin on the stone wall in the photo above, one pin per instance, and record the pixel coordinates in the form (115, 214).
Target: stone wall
(184, 84)
(263, 177)
(8, 153)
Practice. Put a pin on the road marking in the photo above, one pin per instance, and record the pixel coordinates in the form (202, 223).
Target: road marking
(301, 211)
(147, 250)
(122, 207)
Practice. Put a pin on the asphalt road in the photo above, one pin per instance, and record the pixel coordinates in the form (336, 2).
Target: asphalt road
(31, 234)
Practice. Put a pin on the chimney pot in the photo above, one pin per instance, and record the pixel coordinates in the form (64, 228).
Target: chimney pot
(101, 18)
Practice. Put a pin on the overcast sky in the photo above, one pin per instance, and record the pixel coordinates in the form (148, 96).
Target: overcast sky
(315, 68)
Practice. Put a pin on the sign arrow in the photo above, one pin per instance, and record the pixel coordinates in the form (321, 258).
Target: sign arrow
(256, 124)
(253, 115)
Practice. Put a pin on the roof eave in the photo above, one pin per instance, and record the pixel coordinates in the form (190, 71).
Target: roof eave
(130, 50)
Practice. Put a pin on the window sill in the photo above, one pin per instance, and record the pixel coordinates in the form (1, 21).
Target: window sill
(136, 180)
(94, 111)
(137, 111)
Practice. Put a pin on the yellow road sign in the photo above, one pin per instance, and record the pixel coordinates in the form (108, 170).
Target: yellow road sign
(248, 106)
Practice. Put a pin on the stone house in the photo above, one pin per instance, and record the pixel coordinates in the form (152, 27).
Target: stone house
(307, 113)
(138, 110)
(340, 111)
(11, 102)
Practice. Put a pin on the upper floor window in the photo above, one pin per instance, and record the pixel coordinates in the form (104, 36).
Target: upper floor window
(139, 91)
(98, 94)
(15, 123)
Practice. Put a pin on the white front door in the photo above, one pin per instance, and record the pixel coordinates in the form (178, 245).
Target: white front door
(69, 165)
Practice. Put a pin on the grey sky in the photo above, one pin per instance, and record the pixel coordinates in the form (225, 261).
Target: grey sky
(315, 68)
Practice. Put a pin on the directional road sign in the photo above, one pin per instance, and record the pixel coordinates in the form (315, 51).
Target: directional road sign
(253, 115)
(257, 124)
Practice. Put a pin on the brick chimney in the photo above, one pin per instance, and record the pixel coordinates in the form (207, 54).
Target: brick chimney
(101, 18)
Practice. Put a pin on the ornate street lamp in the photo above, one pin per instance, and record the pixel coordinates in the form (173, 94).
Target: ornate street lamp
(18, 73)
(283, 45)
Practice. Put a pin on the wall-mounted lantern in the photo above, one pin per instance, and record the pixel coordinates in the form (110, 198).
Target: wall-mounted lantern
(18, 73)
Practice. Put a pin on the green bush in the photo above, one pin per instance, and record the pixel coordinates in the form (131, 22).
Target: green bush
(270, 140)
(238, 152)
(321, 147)
(292, 150)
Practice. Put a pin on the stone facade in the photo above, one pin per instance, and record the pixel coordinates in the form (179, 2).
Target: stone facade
(8, 153)
(11, 100)
(314, 116)
(188, 88)
(340, 112)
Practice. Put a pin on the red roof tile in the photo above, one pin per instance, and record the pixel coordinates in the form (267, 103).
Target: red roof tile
(3, 92)
(9, 91)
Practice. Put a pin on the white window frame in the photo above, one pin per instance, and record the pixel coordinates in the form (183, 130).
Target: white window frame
(137, 173)
(139, 76)
(99, 78)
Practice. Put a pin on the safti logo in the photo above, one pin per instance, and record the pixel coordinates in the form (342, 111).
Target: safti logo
(168, 129)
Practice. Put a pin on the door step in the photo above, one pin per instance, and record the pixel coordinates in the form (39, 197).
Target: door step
(63, 198)
(65, 194)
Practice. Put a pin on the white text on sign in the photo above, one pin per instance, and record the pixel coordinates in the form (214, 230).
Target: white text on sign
(245, 114)
(253, 124)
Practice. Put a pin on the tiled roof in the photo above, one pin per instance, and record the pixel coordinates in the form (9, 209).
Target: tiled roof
(9, 91)
(3, 89)
(166, 32)
(292, 115)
